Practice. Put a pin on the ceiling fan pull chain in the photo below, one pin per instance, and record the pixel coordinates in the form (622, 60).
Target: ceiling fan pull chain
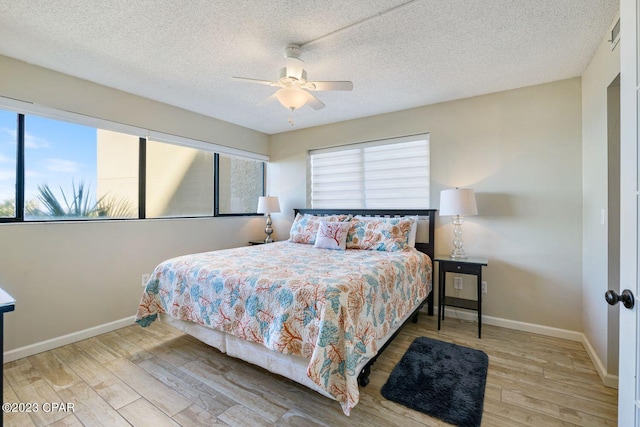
(291, 116)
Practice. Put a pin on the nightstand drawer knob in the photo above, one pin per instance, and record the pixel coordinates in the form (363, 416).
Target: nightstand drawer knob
(459, 267)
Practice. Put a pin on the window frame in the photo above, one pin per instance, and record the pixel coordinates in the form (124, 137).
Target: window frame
(216, 187)
(19, 190)
(19, 108)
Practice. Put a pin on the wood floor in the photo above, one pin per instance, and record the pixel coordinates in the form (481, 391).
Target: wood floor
(158, 376)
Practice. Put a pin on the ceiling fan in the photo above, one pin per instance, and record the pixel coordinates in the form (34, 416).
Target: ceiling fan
(294, 87)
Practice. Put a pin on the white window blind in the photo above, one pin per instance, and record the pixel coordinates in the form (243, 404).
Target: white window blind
(81, 119)
(378, 174)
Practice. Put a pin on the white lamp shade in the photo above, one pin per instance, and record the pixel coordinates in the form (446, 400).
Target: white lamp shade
(459, 201)
(268, 204)
(292, 97)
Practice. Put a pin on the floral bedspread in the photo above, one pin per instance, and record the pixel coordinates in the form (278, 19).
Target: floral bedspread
(328, 306)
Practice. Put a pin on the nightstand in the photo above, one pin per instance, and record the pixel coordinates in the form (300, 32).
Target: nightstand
(258, 242)
(472, 266)
(7, 304)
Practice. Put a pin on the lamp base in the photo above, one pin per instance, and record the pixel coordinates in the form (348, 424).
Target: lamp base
(457, 252)
(268, 230)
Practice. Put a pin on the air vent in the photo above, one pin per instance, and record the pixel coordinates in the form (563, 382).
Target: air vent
(615, 35)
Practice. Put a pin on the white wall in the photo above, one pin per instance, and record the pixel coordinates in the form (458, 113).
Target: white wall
(25, 82)
(67, 277)
(520, 150)
(599, 320)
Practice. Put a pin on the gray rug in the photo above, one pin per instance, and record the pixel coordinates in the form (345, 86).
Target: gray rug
(440, 379)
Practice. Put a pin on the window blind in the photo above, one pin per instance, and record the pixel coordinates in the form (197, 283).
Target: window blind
(84, 120)
(377, 174)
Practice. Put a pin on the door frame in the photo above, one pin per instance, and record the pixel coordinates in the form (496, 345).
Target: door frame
(628, 342)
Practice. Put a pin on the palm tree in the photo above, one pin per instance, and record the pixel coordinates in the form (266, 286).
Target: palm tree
(114, 207)
(76, 205)
(8, 208)
(79, 203)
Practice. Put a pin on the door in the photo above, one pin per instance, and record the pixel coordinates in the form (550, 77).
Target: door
(628, 403)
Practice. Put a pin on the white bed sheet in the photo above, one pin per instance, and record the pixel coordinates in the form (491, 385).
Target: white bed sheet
(289, 366)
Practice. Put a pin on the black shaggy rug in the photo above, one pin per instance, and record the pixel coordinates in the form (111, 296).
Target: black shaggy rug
(442, 380)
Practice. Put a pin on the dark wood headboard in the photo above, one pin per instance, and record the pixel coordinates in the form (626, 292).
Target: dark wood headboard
(427, 248)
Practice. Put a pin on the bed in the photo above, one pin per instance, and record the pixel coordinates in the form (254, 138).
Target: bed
(317, 316)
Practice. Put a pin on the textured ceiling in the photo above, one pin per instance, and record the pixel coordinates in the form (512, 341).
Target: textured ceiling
(184, 52)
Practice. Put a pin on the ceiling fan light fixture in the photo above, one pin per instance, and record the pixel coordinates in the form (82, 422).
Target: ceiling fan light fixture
(294, 87)
(291, 97)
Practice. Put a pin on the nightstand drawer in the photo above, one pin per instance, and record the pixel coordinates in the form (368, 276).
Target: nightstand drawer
(460, 267)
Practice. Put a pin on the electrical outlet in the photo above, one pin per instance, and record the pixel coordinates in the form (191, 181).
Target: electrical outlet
(457, 283)
(144, 280)
(484, 287)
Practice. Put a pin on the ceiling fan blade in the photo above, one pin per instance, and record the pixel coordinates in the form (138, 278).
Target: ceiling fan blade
(336, 85)
(313, 102)
(263, 82)
(295, 67)
(267, 100)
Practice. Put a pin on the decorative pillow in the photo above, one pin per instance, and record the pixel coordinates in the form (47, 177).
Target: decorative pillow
(305, 227)
(332, 235)
(381, 234)
(411, 238)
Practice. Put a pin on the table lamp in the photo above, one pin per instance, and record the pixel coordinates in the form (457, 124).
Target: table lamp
(458, 203)
(268, 205)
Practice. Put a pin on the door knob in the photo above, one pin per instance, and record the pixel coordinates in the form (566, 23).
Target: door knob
(626, 297)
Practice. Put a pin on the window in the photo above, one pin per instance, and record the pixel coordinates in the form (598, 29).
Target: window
(179, 181)
(58, 170)
(118, 173)
(241, 182)
(62, 179)
(378, 174)
(185, 181)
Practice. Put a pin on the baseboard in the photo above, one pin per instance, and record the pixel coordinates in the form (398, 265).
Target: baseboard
(39, 347)
(607, 379)
(514, 324)
(468, 316)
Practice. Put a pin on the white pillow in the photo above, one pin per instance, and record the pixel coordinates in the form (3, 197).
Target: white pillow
(413, 232)
(422, 230)
(332, 235)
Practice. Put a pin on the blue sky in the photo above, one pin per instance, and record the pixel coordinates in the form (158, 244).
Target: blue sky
(56, 153)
